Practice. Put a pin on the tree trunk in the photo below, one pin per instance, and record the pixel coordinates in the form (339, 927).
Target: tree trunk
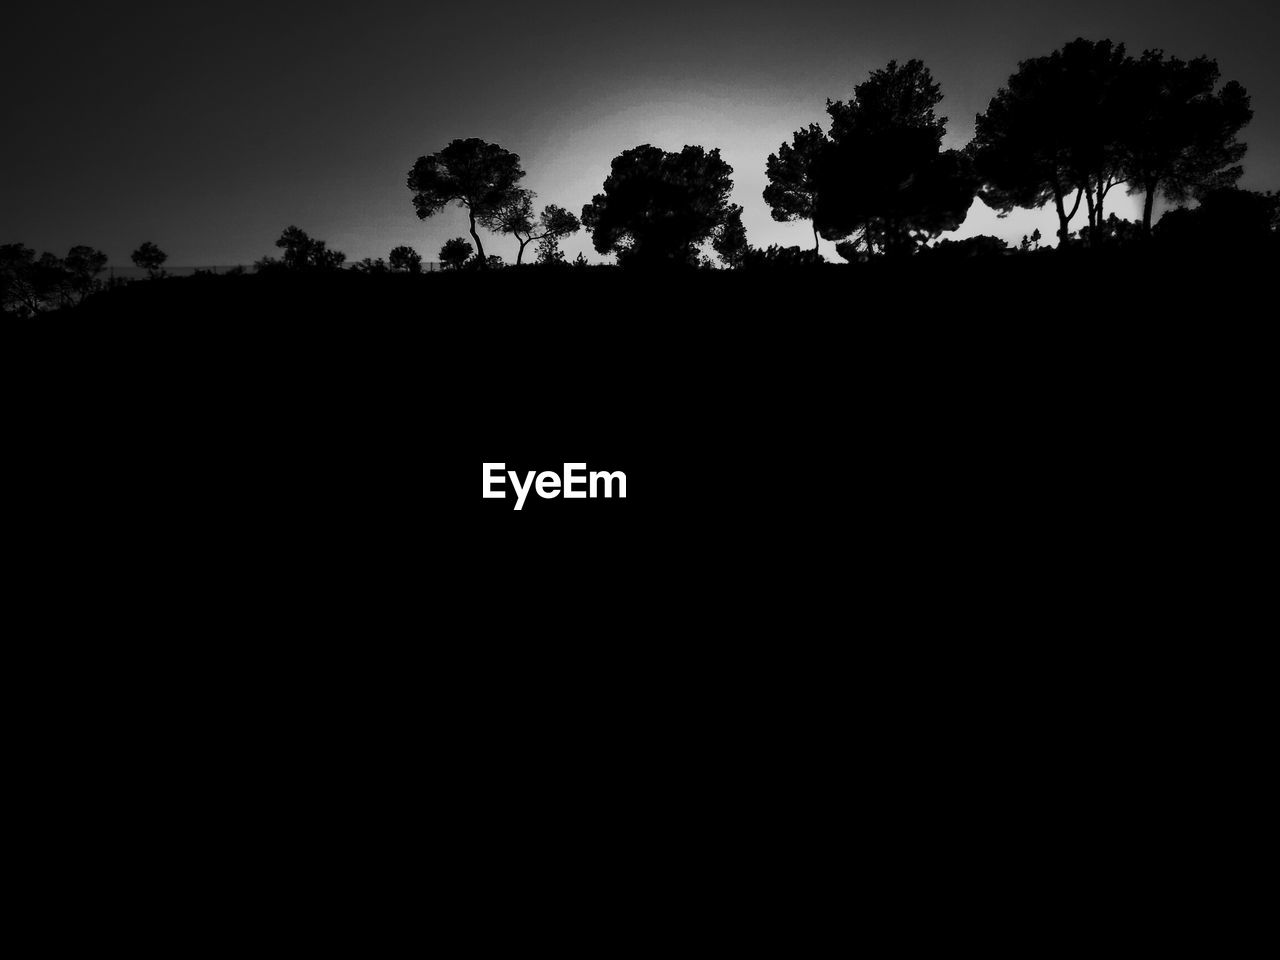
(1148, 208)
(476, 237)
(815, 239)
(520, 255)
(1064, 218)
(1093, 223)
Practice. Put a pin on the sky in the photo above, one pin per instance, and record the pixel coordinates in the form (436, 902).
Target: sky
(208, 128)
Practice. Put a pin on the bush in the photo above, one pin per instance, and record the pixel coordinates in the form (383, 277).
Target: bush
(1225, 219)
(455, 253)
(979, 246)
(776, 256)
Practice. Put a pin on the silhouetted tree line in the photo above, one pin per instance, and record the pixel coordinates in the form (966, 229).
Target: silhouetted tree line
(31, 284)
(1066, 129)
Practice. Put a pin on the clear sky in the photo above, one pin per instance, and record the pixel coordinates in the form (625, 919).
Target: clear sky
(209, 127)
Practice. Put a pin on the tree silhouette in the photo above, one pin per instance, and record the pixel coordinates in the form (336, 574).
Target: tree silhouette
(1098, 110)
(150, 258)
(730, 239)
(29, 283)
(405, 260)
(481, 177)
(658, 207)
(455, 253)
(83, 264)
(53, 280)
(302, 252)
(1055, 128)
(17, 286)
(518, 220)
(549, 252)
(1183, 142)
(791, 190)
(884, 177)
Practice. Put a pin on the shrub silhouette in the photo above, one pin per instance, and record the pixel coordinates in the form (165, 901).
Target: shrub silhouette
(1112, 232)
(775, 256)
(549, 252)
(404, 259)
(455, 253)
(1229, 218)
(968, 248)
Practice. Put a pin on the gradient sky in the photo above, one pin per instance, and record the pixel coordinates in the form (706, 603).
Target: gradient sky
(209, 127)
